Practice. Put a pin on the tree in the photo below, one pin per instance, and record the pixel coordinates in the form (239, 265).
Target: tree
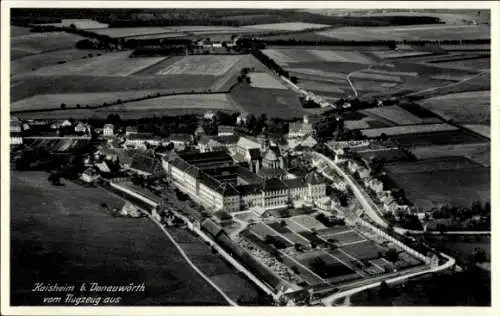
(392, 255)
(294, 80)
(63, 106)
(479, 255)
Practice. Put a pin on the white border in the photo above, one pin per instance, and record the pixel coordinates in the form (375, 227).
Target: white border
(352, 311)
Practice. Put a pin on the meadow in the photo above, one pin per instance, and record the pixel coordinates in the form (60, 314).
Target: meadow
(70, 236)
(290, 26)
(445, 187)
(466, 107)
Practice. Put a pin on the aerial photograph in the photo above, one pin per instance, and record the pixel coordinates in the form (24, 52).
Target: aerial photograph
(249, 157)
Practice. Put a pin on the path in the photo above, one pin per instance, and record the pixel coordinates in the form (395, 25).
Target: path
(191, 264)
(348, 78)
(446, 86)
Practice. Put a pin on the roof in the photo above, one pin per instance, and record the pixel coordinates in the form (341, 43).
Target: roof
(248, 143)
(249, 189)
(226, 139)
(108, 126)
(273, 184)
(254, 153)
(90, 172)
(199, 159)
(314, 178)
(131, 129)
(125, 156)
(140, 136)
(270, 155)
(225, 129)
(211, 227)
(271, 172)
(185, 138)
(294, 183)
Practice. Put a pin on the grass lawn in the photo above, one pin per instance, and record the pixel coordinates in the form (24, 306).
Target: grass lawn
(78, 241)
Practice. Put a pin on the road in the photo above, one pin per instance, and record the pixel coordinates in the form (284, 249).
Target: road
(446, 86)
(330, 300)
(209, 240)
(189, 262)
(348, 78)
(372, 211)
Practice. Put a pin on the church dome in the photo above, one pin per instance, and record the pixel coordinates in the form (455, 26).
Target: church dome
(270, 155)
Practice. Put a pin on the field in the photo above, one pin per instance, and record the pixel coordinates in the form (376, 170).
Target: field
(398, 115)
(409, 32)
(30, 63)
(186, 101)
(85, 24)
(34, 85)
(265, 80)
(111, 64)
(154, 32)
(291, 26)
(477, 152)
(325, 71)
(272, 102)
(450, 183)
(452, 137)
(481, 129)
(201, 65)
(466, 107)
(54, 101)
(409, 129)
(34, 43)
(431, 165)
(70, 236)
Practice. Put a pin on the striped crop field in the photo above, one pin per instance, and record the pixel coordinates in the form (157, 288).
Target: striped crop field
(201, 65)
(398, 115)
(111, 64)
(186, 101)
(409, 129)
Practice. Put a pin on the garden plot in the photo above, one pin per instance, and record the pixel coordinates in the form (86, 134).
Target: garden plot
(201, 65)
(308, 222)
(363, 251)
(265, 81)
(111, 64)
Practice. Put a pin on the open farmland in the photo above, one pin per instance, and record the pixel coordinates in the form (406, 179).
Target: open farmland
(451, 137)
(290, 26)
(453, 187)
(466, 107)
(185, 101)
(265, 80)
(29, 63)
(84, 24)
(272, 102)
(477, 152)
(70, 236)
(111, 64)
(34, 85)
(398, 115)
(478, 63)
(289, 56)
(201, 65)
(71, 100)
(35, 43)
(409, 32)
(409, 129)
